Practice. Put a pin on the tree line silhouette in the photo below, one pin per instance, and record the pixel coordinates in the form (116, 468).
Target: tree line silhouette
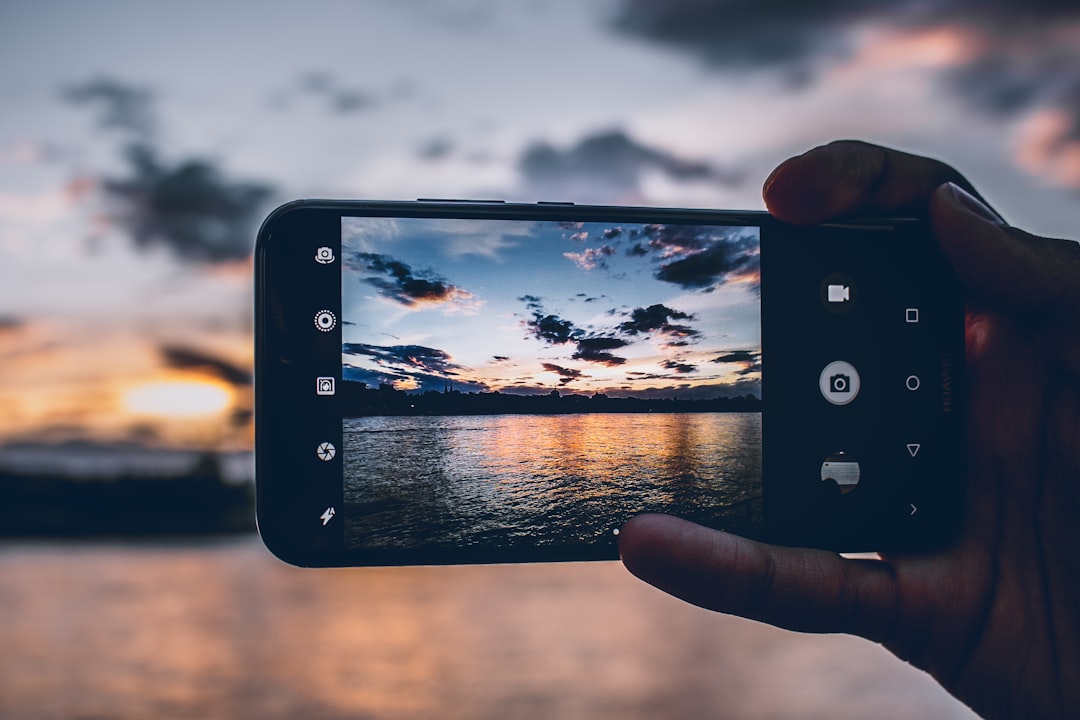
(359, 400)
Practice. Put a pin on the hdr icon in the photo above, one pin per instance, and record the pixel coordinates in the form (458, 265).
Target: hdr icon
(324, 386)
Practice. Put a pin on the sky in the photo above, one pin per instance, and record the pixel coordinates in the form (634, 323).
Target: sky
(524, 307)
(142, 142)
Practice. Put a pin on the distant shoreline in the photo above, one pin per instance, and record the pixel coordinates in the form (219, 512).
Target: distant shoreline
(356, 400)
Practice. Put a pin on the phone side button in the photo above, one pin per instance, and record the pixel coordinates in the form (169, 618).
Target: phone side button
(555, 202)
(461, 200)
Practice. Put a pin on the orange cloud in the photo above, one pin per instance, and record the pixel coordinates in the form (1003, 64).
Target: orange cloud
(1046, 146)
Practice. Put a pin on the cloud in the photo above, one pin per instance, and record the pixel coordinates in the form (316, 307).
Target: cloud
(10, 323)
(399, 282)
(532, 302)
(608, 165)
(339, 98)
(186, 358)
(120, 105)
(190, 207)
(412, 357)
(1007, 59)
(409, 367)
(658, 318)
(554, 330)
(701, 258)
(749, 359)
(591, 258)
(595, 349)
(566, 375)
(679, 367)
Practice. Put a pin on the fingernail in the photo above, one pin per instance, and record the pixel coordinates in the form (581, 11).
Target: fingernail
(962, 198)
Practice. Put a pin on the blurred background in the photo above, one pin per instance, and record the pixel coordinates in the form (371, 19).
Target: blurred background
(142, 142)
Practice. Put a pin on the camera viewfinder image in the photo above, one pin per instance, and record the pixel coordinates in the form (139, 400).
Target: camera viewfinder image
(514, 383)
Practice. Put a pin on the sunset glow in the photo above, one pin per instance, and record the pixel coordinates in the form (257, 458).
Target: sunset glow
(179, 398)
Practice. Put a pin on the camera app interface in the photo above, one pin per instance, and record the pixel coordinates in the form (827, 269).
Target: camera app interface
(511, 383)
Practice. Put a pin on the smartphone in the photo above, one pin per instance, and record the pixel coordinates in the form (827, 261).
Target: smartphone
(447, 381)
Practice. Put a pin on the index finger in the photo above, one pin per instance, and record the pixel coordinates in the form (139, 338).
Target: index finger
(848, 177)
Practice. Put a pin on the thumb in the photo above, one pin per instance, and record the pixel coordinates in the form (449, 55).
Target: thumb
(1034, 279)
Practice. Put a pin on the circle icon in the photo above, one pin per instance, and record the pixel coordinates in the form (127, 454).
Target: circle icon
(325, 320)
(324, 255)
(839, 382)
(912, 382)
(326, 451)
(838, 293)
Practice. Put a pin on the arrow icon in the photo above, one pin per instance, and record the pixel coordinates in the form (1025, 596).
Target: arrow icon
(913, 508)
(913, 448)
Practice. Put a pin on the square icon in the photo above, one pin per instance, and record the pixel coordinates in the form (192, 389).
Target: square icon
(324, 386)
(911, 315)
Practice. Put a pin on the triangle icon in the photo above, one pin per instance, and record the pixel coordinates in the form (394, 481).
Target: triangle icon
(913, 449)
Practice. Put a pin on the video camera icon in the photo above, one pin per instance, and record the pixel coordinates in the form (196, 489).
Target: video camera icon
(838, 293)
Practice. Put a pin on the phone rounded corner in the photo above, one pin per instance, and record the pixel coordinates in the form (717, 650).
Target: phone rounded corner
(280, 548)
(265, 229)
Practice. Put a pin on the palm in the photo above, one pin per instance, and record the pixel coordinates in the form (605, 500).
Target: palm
(984, 610)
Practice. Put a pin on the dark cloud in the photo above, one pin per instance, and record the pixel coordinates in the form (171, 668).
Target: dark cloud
(340, 99)
(724, 259)
(1022, 56)
(749, 359)
(608, 164)
(555, 330)
(435, 149)
(500, 358)
(679, 367)
(658, 318)
(611, 233)
(401, 283)
(121, 106)
(566, 375)
(552, 329)
(595, 349)
(532, 302)
(186, 358)
(698, 257)
(407, 357)
(10, 323)
(190, 207)
(737, 356)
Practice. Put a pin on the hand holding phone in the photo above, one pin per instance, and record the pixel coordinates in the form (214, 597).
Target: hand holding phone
(1009, 580)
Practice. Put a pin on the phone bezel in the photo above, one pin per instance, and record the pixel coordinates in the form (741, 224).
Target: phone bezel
(278, 498)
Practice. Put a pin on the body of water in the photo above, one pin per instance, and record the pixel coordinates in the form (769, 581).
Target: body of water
(221, 630)
(504, 481)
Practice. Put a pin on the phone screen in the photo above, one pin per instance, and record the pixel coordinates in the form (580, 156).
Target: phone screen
(443, 383)
(535, 383)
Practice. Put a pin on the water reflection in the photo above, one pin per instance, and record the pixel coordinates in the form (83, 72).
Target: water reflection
(502, 480)
(222, 630)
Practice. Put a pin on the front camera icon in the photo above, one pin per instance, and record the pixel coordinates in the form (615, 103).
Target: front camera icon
(325, 320)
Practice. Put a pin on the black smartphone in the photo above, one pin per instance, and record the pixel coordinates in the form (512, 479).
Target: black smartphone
(465, 381)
